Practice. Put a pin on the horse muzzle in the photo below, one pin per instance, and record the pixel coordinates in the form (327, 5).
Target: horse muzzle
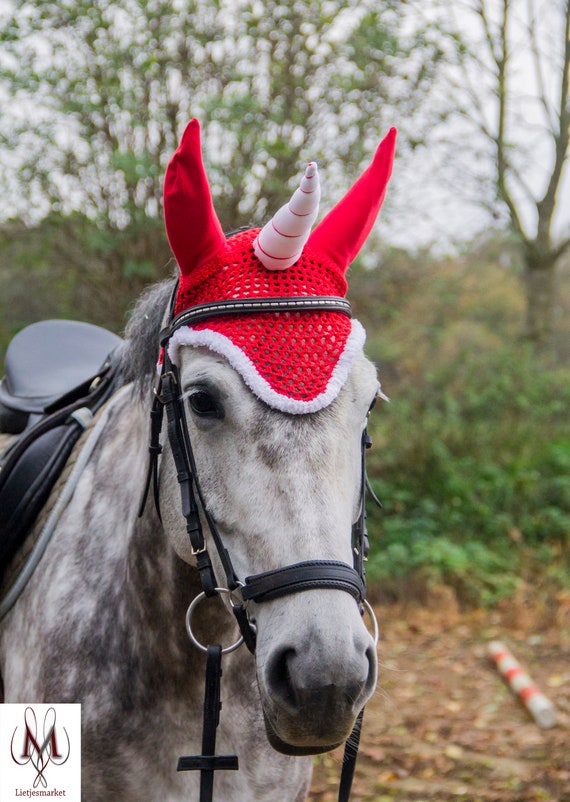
(313, 686)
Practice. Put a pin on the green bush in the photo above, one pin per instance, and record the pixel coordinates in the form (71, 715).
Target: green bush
(473, 467)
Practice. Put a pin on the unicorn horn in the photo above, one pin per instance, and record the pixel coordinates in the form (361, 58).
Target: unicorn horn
(281, 241)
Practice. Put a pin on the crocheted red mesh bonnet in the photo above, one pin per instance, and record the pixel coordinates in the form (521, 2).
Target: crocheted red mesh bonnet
(294, 361)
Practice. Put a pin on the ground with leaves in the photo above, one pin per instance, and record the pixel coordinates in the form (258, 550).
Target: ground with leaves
(444, 726)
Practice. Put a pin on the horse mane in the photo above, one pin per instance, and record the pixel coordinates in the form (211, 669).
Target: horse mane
(138, 363)
(141, 352)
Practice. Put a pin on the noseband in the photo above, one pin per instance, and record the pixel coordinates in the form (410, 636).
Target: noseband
(262, 587)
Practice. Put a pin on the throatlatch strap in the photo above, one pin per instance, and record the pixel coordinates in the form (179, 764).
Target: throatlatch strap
(208, 762)
(155, 450)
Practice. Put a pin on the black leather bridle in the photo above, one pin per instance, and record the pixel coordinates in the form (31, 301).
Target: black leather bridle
(261, 587)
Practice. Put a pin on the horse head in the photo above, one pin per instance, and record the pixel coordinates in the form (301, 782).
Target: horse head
(276, 391)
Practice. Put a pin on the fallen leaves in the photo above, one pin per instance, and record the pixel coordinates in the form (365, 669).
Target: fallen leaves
(443, 725)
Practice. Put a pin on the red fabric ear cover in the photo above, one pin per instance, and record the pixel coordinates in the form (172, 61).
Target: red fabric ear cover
(194, 231)
(342, 233)
(296, 362)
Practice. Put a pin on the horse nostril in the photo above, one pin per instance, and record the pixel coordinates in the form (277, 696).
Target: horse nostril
(279, 678)
(295, 683)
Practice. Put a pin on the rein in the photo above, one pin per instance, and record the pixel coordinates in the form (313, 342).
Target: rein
(259, 588)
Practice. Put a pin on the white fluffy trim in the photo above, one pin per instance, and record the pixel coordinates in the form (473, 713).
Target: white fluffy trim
(242, 364)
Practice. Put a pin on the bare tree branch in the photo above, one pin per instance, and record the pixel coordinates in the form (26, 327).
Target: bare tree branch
(561, 137)
(501, 54)
(538, 64)
(493, 115)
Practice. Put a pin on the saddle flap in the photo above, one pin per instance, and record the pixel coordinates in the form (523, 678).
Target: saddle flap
(49, 360)
(28, 484)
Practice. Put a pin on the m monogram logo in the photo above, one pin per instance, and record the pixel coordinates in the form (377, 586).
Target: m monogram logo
(40, 749)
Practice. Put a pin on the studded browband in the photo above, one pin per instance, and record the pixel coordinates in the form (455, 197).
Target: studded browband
(248, 306)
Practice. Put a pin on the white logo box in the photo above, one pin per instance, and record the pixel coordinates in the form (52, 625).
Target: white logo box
(40, 752)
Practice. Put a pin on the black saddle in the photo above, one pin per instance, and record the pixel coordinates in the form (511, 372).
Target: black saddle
(57, 374)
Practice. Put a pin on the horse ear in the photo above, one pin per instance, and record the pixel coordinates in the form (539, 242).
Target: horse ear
(342, 233)
(194, 231)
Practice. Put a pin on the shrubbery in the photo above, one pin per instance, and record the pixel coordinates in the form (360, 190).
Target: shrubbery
(471, 461)
(475, 478)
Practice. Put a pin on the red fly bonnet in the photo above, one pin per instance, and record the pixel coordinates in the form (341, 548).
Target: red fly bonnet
(294, 361)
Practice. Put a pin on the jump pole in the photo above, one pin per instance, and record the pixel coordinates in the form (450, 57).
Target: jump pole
(538, 705)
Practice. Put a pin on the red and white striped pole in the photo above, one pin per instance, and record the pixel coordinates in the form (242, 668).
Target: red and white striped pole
(539, 706)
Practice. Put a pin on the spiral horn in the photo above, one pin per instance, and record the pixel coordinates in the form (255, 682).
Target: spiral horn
(281, 241)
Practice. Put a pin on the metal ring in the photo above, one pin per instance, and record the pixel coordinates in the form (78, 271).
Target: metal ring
(195, 641)
(372, 614)
(237, 602)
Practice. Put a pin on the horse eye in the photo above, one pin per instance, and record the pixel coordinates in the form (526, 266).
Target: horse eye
(204, 405)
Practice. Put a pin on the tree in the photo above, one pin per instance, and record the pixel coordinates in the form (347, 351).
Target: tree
(515, 78)
(98, 91)
(103, 90)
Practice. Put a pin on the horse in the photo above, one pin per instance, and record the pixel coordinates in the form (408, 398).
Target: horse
(104, 619)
